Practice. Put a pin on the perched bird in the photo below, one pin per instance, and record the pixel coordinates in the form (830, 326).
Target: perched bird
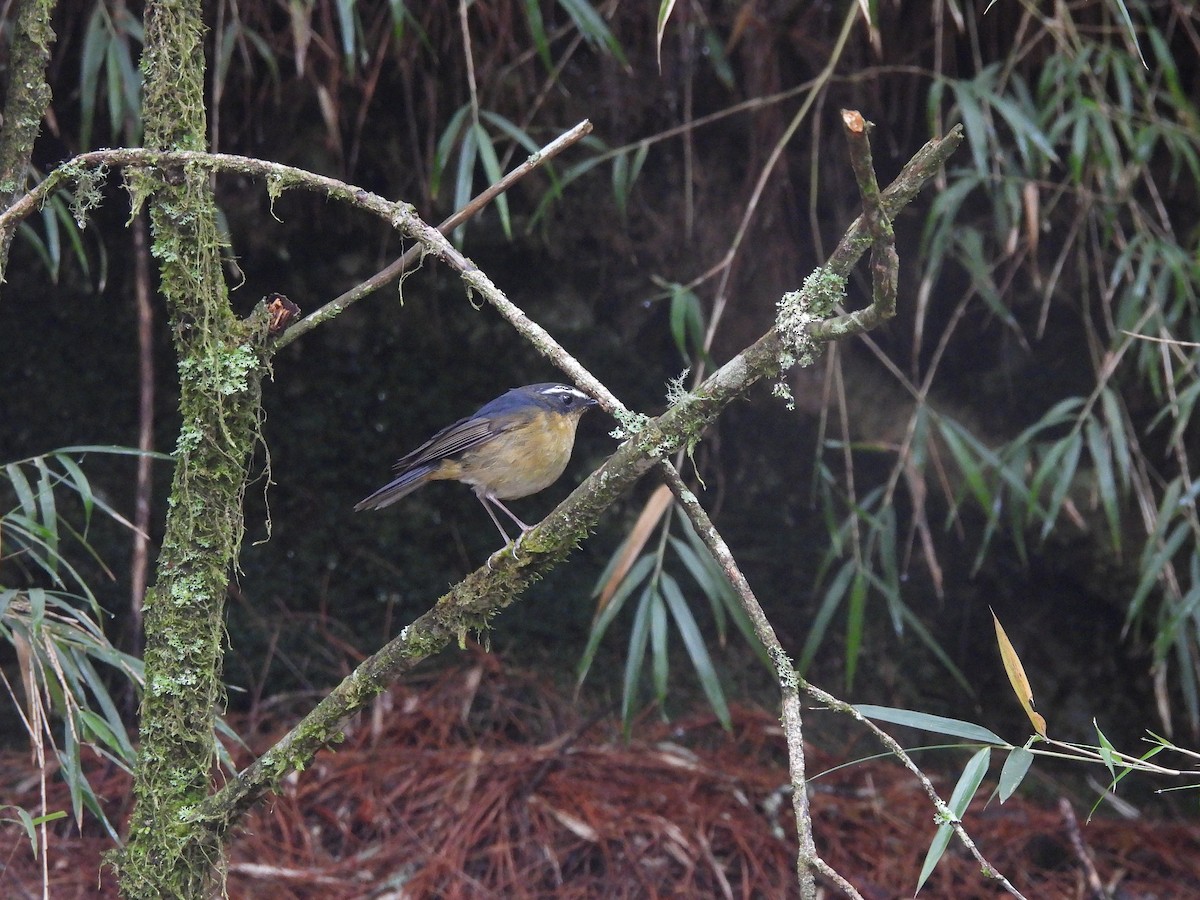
(512, 447)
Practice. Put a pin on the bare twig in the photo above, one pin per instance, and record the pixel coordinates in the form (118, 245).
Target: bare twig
(394, 270)
(943, 811)
(1091, 876)
(139, 563)
(789, 684)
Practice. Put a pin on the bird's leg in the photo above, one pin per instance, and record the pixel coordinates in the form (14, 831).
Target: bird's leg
(495, 521)
(488, 501)
(508, 512)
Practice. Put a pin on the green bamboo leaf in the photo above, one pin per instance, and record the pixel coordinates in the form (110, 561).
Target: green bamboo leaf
(964, 790)
(937, 724)
(1107, 752)
(834, 595)
(636, 575)
(658, 648)
(664, 15)
(491, 168)
(53, 240)
(968, 463)
(1132, 30)
(593, 27)
(66, 225)
(78, 482)
(855, 618)
(451, 136)
(27, 822)
(1022, 125)
(1114, 420)
(20, 485)
(684, 304)
(635, 656)
(537, 30)
(974, 125)
(1016, 767)
(1061, 463)
(714, 52)
(718, 584)
(72, 771)
(1106, 479)
(464, 180)
(510, 128)
(49, 512)
(1152, 565)
(95, 42)
(712, 588)
(693, 641)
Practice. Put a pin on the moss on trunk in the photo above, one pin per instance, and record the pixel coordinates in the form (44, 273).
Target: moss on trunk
(221, 361)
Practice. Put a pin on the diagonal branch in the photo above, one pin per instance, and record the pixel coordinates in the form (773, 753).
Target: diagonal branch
(789, 685)
(396, 268)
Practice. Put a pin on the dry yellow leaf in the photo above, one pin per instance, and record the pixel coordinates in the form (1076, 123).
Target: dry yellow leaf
(1016, 675)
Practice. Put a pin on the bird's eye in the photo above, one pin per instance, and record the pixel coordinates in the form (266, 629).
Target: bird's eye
(568, 400)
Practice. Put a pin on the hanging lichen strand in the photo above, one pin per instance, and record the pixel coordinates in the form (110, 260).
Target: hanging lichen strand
(220, 365)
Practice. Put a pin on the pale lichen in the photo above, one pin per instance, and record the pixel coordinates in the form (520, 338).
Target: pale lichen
(797, 312)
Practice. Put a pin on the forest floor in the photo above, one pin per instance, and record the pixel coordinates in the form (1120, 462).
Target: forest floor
(483, 781)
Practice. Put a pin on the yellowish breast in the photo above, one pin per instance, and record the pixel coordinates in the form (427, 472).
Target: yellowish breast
(523, 460)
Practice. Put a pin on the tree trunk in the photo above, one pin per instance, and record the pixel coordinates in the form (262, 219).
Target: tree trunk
(220, 363)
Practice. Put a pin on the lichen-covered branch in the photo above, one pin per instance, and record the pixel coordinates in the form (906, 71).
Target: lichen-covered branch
(924, 164)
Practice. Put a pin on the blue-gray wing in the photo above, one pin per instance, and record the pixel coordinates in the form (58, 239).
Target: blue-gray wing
(452, 440)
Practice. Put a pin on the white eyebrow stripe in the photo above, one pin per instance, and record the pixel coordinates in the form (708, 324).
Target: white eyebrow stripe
(563, 389)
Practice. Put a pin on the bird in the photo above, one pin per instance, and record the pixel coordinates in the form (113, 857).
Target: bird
(514, 446)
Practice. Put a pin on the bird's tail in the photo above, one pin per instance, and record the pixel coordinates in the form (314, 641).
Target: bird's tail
(399, 487)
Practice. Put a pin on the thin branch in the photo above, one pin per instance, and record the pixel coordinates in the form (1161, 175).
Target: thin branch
(944, 813)
(807, 858)
(393, 271)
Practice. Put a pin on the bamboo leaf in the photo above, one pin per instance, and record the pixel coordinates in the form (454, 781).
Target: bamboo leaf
(636, 654)
(658, 647)
(1106, 479)
(1016, 766)
(855, 624)
(491, 168)
(693, 641)
(1068, 466)
(593, 27)
(834, 595)
(964, 790)
(1017, 677)
(537, 30)
(928, 722)
(636, 576)
(664, 14)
